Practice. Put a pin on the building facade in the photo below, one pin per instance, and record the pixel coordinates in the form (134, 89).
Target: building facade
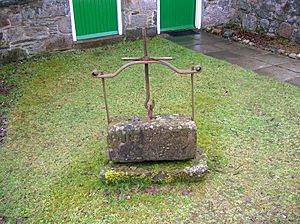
(30, 27)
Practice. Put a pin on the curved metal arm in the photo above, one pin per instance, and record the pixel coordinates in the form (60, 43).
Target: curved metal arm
(196, 69)
(143, 58)
(146, 60)
(192, 72)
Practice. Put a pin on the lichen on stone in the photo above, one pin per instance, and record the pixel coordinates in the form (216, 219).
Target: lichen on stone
(156, 172)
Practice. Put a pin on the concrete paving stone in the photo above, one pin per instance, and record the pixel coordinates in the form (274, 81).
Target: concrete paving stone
(204, 48)
(249, 63)
(181, 33)
(241, 45)
(207, 38)
(227, 46)
(247, 51)
(186, 42)
(261, 61)
(223, 55)
(182, 39)
(293, 66)
(278, 73)
(294, 81)
(271, 58)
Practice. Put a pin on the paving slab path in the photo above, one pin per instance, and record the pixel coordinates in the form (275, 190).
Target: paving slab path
(260, 61)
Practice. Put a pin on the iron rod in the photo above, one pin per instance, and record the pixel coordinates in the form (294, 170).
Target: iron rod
(146, 61)
(173, 68)
(193, 97)
(105, 100)
(144, 34)
(143, 59)
(147, 86)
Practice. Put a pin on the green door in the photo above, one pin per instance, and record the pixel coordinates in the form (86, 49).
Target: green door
(177, 14)
(95, 18)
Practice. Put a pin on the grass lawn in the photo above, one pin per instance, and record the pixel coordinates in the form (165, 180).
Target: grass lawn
(248, 125)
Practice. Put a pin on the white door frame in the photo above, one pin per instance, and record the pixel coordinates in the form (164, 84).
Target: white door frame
(198, 14)
(119, 15)
(158, 16)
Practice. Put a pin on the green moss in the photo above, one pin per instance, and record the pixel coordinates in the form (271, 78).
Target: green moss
(112, 176)
(149, 173)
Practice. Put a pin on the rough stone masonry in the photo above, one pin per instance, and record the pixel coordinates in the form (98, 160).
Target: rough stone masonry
(273, 17)
(166, 137)
(30, 27)
(33, 27)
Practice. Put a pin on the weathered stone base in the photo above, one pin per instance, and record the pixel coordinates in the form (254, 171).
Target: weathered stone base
(165, 138)
(156, 172)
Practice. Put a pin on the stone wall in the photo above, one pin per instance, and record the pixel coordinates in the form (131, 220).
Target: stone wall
(137, 14)
(218, 12)
(29, 27)
(275, 17)
(270, 16)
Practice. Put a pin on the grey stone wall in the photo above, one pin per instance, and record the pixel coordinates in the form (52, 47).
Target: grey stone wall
(275, 17)
(14, 2)
(137, 14)
(218, 12)
(29, 27)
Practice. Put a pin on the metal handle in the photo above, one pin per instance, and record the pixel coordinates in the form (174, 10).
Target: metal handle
(146, 60)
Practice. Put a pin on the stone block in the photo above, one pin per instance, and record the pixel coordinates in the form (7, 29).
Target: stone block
(12, 55)
(16, 19)
(4, 3)
(285, 30)
(297, 37)
(4, 20)
(139, 20)
(58, 42)
(64, 25)
(4, 44)
(133, 34)
(166, 137)
(15, 34)
(264, 24)
(157, 172)
(38, 32)
(265, 9)
(148, 4)
(131, 5)
(249, 22)
(214, 15)
(244, 5)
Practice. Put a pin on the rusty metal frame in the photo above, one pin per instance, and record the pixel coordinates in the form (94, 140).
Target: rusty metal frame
(146, 60)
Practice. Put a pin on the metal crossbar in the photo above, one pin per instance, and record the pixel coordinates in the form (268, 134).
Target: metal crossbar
(146, 60)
